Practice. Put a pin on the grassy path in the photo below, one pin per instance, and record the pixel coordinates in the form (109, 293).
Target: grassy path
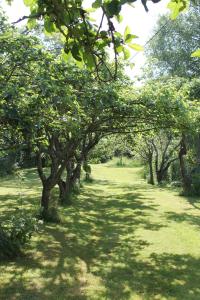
(122, 239)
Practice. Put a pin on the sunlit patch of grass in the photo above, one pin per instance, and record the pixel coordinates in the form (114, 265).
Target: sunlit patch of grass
(123, 162)
(121, 239)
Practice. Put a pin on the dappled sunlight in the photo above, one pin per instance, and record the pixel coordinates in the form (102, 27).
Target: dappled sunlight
(121, 239)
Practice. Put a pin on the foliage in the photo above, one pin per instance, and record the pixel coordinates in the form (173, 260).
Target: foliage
(169, 52)
(7, 248)
(7, 162)
(61, 112)
(85, 38)
(21, 227)
(16, 232)
(196, 53)
(103, 151)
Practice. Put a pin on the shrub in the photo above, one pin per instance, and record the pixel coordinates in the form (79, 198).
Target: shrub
(7, 164)
(16, 232)
(196, 182)
(7, 248)
(176, 183)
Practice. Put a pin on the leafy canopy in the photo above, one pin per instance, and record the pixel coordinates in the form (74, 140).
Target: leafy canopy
(85, 38)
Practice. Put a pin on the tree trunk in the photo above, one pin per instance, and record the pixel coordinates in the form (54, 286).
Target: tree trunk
(151, 176)
(185, 178)
(45, 196)
(198, 149)
(65, 188)
(160, 176)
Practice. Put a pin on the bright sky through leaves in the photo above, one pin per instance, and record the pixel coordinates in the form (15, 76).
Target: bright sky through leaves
(140, 22)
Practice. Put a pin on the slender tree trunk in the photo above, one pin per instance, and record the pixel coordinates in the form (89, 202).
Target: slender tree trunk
(151, 175)
(185, 178)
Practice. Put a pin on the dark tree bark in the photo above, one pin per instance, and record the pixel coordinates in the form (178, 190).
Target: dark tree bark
(187, 184)
(73, 168)
(164, 160)
(46, 191)
(71, 182)
(49, 182)
(151, 175)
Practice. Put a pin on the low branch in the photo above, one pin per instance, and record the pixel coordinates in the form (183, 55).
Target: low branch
(33, 16)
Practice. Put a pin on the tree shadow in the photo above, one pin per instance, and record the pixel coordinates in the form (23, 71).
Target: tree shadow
(164, 276)
(96, 254)
(96, 230)
(183, 217)
(194, 201)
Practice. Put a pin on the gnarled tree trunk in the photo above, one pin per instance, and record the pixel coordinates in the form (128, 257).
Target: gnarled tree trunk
(68, 186)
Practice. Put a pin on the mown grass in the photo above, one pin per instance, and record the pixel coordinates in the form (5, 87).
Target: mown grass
(123, 162)
(122, 239)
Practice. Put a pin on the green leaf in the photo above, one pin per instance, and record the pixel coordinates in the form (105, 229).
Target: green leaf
(48, 25)
(75, 52)
(80, 64)
(119, 48)
(136, 47)
(31, 23)
(104, 34)
(113, 8)
(176, 6)
(196, 53)
(29, 2)
(97, 4)
(89, 60)
(130, 37)
(126, 32)
(6, 35)
(126, 53)
(119, 18)
(66, 56)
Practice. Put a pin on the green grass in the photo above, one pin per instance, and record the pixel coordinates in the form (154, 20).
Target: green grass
(123, 162)
(122, 239)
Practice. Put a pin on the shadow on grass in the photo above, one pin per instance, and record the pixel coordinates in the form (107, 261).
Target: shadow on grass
(95, 254)
(183, 217)
(194, 201)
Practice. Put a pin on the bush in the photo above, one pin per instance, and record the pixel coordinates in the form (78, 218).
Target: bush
(7, 164)
(17, 232)
(176, 183)
(22, 228)
(196, 181)
(7, 248)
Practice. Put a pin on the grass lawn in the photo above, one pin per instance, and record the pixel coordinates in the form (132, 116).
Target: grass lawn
(122, 239)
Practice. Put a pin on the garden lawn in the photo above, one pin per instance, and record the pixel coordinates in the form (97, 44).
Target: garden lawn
(122, 239)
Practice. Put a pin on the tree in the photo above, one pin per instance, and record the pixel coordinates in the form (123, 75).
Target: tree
(170, 55)
(144, 148)
(159, 147)
(169, 52)
(87, 40)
